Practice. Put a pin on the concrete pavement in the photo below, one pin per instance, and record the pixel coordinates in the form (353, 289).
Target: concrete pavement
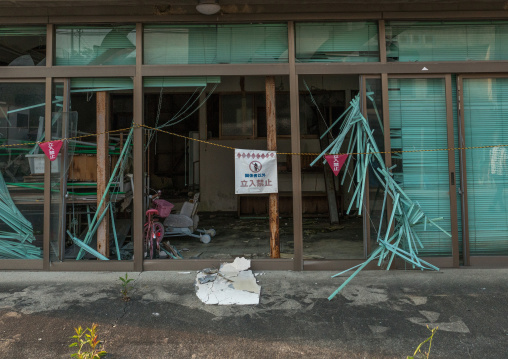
(379, 315)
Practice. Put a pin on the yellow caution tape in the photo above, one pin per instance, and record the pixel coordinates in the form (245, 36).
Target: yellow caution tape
(233, 148)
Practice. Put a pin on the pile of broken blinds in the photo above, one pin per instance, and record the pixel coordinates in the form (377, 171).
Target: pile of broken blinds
(233, 283)
(93, 225)
(15, 242)
(406, 214)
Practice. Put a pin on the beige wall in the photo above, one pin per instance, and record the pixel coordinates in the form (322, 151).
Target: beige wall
(217, 172)
(216, 169)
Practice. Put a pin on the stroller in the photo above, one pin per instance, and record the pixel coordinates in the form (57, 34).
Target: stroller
(186, 222)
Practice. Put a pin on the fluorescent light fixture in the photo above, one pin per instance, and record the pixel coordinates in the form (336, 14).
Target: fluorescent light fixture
(208, 7)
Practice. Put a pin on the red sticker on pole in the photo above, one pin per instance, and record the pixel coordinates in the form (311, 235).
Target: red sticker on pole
(51, 148)
(336, 162)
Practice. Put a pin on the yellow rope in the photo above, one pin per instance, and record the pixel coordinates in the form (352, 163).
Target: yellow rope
(317, 154)
(71, 138)
(233, 148)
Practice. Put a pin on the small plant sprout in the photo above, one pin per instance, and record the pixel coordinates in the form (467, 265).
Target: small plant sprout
(89, 346)
(126, 287)
(419, 353)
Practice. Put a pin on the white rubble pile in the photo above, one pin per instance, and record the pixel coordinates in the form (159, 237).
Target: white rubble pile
(233, 283)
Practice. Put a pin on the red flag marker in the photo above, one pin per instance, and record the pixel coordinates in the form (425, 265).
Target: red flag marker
(51, 148)
(336, 162)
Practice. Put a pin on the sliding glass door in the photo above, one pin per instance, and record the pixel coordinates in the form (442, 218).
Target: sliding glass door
(420, 118)
(485, 123)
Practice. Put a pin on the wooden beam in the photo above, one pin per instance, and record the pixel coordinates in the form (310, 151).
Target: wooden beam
(102, 169)
(271, 137)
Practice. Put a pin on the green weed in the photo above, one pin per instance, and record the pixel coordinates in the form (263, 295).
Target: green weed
(89, 346)
(126, 287)
(419, 352)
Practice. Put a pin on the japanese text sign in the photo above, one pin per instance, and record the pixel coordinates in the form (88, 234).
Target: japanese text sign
(255, 172)
(51, 148)
(336, 162)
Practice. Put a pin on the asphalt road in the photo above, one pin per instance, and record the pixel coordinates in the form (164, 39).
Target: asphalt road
(379, 315)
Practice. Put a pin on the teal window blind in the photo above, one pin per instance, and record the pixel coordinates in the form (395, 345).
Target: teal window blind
(95, 45)
(100, 84)
(447, 41)
(337, 42)
(417, 122)
(115, 84)
(486, 124)
(23, 46)
(196, 81)
(215, 44)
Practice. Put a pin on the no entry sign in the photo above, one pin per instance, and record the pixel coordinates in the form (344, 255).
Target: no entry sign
(255, 172)
(51, 148)
(336, 162)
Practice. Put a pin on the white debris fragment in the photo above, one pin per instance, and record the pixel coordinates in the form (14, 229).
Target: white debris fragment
(239, 264)
(233, 284)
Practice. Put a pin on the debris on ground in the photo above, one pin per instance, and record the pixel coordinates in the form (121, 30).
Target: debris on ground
(233, 283)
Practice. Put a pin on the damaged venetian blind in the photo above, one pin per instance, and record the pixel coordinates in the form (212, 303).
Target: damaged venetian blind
(337, 42)
(100, 84)
(23, 46)
(215, 44)
(486, 124)
(418, 122)
(446, 41)
(184, 81)
(95, 45)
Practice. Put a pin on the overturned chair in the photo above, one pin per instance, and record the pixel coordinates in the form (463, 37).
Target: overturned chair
(186, 222)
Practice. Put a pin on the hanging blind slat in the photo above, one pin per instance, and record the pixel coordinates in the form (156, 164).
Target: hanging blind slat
(417, 122)
(215, 44)
(337, 42)
(201, 81)
(447, 41)
(486, 124)
(100, 84)
(23, 31)
(95, 45)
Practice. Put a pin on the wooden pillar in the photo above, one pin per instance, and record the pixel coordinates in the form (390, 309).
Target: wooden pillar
(271, 136)
(102, 169)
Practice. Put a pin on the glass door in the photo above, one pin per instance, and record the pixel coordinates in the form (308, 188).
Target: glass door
(420, 117)
(484, 134)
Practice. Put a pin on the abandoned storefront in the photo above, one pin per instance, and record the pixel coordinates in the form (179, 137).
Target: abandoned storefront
(149, 109)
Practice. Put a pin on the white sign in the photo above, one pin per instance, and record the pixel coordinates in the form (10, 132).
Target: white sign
(255, 172)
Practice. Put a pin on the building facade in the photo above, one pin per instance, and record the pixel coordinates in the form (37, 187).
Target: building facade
(148, 95)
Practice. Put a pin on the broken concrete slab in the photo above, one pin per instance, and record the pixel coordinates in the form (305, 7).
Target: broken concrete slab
(238, 265)
(233, 284)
